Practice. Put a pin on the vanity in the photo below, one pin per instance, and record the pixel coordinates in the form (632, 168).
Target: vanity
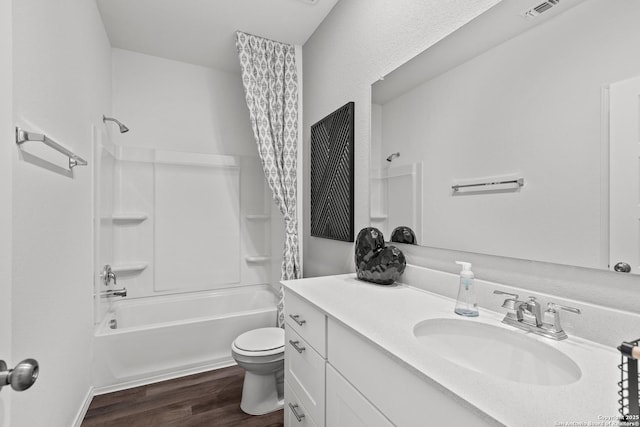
(359, 354)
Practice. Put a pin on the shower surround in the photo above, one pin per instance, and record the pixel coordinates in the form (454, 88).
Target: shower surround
(189, 237)
(182, 213)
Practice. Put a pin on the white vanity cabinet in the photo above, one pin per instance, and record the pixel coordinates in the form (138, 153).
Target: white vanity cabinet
(336, 378)
(304, 363)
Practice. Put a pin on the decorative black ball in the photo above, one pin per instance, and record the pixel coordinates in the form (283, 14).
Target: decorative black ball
(404, 234)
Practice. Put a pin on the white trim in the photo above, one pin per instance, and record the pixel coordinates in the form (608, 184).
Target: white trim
(82, 412)
(604, 179)
(300, 169)
(163, 377)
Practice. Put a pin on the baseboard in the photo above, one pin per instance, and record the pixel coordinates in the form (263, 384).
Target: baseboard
(84, 408)
(163, 377)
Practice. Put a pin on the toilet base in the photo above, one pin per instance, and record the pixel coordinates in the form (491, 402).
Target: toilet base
(261, 393)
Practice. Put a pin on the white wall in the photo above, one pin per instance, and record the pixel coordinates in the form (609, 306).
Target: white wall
(173, 105)
(62, 86)
(527, 110)
(358, 42)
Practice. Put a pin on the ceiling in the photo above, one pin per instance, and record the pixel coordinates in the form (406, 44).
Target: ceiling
(202, 32)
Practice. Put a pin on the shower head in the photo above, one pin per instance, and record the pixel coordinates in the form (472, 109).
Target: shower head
(122, 127)
(393, 156)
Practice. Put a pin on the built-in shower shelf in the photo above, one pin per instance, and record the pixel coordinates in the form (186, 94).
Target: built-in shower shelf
(379, 217)
(129, 268)
(129, 217)
(258, 217)
(256, 259)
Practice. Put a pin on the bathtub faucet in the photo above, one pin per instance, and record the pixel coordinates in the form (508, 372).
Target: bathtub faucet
(114, 293)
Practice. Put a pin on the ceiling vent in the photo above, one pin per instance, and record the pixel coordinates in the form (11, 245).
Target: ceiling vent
(539, 9)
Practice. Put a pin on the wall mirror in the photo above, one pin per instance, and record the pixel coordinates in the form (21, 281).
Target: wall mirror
(541, 96)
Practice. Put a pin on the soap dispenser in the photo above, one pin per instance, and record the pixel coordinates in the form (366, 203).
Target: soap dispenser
(466, 304)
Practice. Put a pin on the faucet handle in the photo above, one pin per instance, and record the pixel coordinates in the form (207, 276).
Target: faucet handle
(552, 306)
(497, 292)
(552, 318)
(509, 303)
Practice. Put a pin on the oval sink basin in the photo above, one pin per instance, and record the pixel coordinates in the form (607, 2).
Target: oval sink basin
(496, 351)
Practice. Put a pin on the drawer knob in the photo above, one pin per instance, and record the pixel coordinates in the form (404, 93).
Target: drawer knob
(296, 318)
(294, 409)
(295, 345)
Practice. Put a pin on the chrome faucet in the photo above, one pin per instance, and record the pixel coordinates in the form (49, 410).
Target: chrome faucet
(114, 293)
(528, 316)
(529, 312)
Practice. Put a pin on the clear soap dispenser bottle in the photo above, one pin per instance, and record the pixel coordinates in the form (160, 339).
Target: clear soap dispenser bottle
(466, 304)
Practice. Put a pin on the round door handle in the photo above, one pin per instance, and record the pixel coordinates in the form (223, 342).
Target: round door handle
(622, 267)
(23, 376)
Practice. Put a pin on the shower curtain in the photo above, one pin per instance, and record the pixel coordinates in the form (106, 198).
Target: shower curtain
(271, 90)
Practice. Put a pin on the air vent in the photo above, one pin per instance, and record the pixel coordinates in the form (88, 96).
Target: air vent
(540, 8)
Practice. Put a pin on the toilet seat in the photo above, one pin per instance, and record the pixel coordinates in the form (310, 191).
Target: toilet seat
(260, 342)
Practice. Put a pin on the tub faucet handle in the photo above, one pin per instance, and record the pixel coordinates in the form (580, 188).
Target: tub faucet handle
(107, 275)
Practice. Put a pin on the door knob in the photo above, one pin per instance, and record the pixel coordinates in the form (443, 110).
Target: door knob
(21, 377)
(622, 267)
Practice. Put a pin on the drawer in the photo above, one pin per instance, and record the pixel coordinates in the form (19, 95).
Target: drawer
(346, 407)
(292, 407)
(377, 376)
(307, 321)
(304, 370)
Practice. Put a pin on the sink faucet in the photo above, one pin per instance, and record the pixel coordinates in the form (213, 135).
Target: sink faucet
(528, 316)
(529, 312)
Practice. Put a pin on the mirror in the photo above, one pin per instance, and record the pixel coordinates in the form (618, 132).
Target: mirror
(497, 139)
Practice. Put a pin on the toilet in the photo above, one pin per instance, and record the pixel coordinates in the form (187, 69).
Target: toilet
(260, 352)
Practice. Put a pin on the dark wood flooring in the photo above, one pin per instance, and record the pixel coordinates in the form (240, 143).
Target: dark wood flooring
(209, 399)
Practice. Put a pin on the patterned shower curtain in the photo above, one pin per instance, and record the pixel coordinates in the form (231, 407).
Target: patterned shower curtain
(271, 89)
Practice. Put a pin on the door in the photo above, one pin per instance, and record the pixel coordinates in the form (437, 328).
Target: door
(6, 153)
(624, 182)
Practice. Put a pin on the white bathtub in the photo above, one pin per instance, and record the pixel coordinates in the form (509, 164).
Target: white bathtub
(165, 337)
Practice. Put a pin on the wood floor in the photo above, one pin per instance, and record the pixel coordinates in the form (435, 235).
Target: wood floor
(210, 399)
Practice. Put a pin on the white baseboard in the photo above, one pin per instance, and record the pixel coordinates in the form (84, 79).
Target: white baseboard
(162, 377)
(84, 408)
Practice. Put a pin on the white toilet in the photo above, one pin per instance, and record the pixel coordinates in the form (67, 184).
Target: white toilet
(260, 352)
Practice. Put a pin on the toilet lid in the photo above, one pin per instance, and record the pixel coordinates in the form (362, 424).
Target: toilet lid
(261, 339)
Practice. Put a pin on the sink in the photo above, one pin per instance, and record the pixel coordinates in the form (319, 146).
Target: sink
(496, 351)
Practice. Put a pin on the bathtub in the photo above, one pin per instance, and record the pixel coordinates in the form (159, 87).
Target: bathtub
(145, 340)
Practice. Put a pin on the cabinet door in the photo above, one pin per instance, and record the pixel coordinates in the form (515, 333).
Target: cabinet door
(346, 407)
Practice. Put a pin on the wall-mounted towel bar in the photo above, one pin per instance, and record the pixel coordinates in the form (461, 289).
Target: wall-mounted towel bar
(519, 182)
(24, 136)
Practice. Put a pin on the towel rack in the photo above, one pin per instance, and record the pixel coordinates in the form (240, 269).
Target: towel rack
(519, 182)
(24, 136)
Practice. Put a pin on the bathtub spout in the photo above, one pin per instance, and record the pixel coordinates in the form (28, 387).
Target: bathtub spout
(114, 293)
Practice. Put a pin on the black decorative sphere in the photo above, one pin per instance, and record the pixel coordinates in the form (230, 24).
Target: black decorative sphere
(404, 234)
(375, 262)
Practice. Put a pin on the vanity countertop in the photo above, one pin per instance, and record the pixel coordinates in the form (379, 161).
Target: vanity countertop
(385, 316)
